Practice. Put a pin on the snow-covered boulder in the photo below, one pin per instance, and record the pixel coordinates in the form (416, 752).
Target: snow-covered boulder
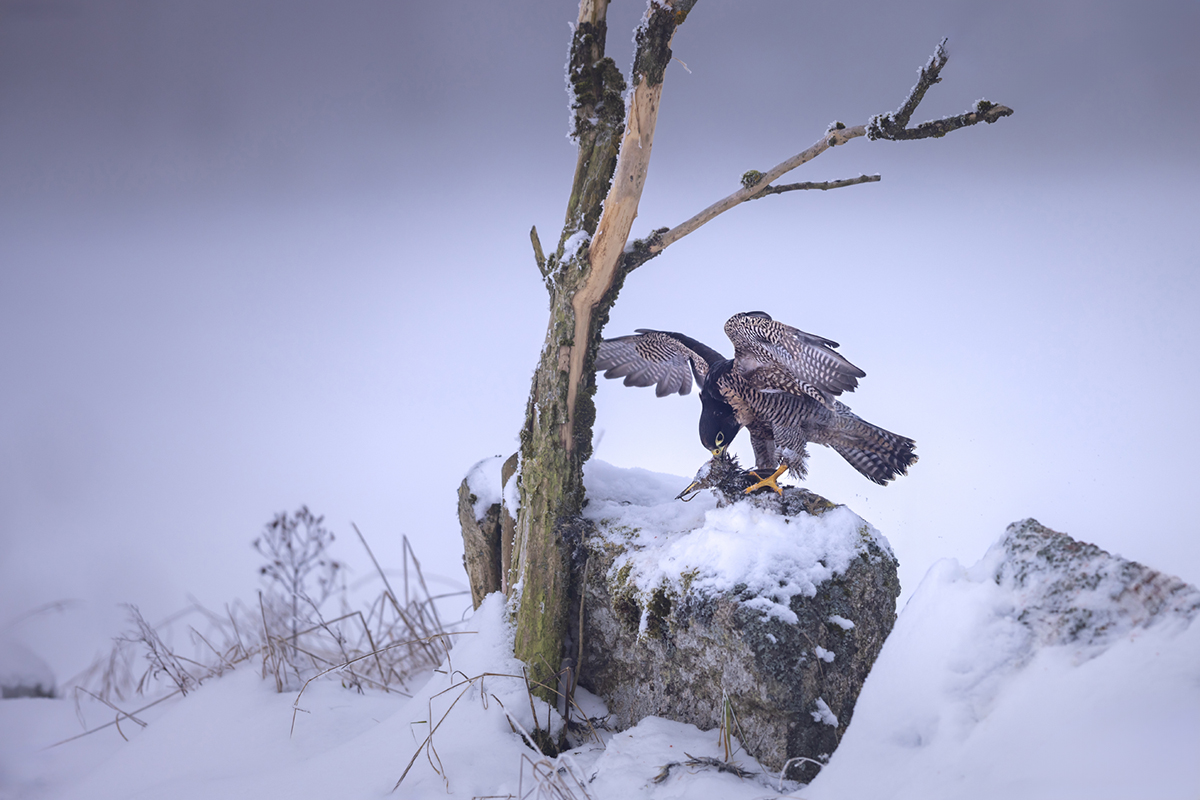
(764, 615)
(1072, 592)
(1049, 669)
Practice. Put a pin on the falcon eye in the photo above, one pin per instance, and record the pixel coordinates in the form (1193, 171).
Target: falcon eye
(720, 438)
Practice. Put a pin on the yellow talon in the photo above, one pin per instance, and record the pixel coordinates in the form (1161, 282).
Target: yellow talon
(771, 481)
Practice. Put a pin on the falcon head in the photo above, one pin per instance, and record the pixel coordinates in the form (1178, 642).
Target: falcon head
(718, 425)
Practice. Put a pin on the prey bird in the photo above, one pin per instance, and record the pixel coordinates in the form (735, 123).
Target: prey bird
(782, 385)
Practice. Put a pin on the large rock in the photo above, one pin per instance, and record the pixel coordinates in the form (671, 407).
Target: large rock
(1073, 592)
(761, 615)
(764, 616)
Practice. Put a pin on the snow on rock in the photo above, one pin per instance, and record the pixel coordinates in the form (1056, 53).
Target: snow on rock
(749, 546)
(823, 713)
(1088, 597)
(1050, 669)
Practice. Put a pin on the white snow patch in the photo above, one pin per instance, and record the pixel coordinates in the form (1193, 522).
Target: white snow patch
(771, 557)
(965, 700)
(574, 242)
(824, 713)
(483, 480)
(825, 655)
(841, 622)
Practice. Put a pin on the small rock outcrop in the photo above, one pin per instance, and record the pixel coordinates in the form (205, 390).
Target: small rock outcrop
(1072, 592)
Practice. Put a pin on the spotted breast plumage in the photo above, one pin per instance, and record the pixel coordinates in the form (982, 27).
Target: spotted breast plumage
(782, 385)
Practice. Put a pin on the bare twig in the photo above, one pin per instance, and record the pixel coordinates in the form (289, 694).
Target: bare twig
(984, 111)
(551, 779)
(374, 560)
(114, 722)
(789, 762)
(821, 185)
(894, 126)
(702, 761)
(120, 712)
(268, 650)
(410, 554)
(427, 743)
(53, 606)
(162, 659)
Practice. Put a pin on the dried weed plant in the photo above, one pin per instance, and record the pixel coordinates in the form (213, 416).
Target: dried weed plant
(386, 642)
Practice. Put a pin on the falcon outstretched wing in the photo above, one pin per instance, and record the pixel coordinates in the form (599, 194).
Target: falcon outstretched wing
(774, 357)
(661, 359)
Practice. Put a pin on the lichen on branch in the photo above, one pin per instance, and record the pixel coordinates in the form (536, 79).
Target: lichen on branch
(894, 126)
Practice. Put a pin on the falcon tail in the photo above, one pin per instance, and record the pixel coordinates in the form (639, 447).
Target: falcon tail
(878, 454)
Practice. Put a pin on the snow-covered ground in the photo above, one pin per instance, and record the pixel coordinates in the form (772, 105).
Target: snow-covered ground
(967, 699)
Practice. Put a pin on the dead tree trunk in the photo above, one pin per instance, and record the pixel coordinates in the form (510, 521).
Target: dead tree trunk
(583, 276)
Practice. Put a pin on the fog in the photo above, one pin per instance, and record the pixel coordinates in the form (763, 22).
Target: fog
(259, 255)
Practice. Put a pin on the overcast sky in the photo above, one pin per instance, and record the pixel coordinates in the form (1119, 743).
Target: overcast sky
(254, 255)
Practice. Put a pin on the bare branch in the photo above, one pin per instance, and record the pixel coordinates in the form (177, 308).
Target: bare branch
(927, 76)
(894, 126)
(985, 111)
(832, 138)
(883, 126)
(824, 186)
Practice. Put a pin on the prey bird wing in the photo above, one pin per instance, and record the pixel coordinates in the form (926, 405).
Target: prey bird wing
(774, 357)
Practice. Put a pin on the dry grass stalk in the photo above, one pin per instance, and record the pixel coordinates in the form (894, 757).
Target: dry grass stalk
(380, 646)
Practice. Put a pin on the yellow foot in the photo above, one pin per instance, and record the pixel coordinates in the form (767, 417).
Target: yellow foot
(770, 482)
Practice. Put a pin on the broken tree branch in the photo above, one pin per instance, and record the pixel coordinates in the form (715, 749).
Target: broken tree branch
(538, 254)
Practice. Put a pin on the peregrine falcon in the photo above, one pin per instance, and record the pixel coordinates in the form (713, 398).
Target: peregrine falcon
(781, 385)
